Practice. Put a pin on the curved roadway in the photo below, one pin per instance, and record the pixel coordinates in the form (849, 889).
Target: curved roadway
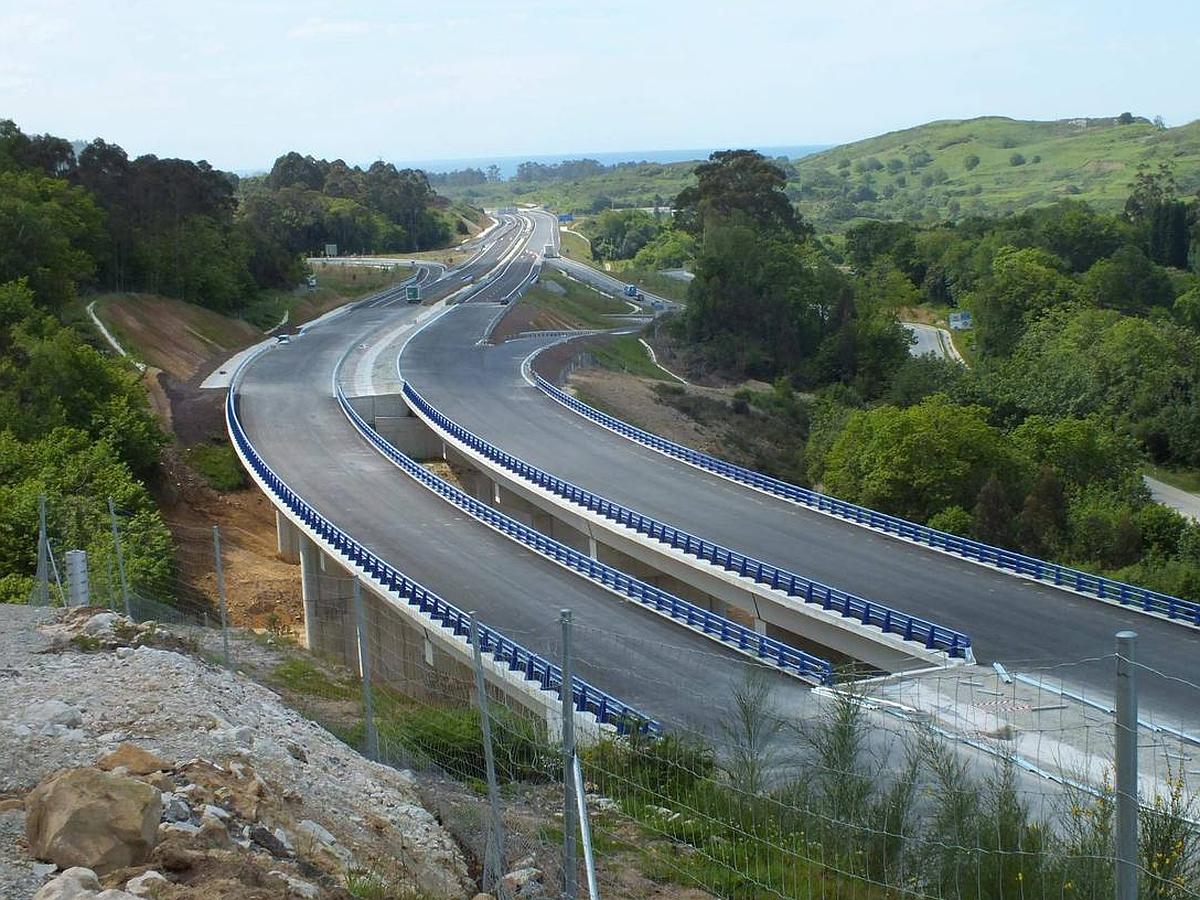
(289, 413)
(1018, 622)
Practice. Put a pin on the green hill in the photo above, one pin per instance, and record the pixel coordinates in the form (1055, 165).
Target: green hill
(991, 165)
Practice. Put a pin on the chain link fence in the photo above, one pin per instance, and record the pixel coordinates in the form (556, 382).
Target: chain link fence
(955, 783)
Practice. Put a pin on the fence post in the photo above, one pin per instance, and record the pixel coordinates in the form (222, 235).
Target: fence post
(570, 868)
(1127, 767)
(112, 512)
(221, 594)
(493, 855)
(364, 668)
(43, 550)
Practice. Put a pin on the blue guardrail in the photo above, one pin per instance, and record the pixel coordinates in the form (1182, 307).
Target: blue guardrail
(534, 668)
(1017, 563)
(849, 606)
(717, 627)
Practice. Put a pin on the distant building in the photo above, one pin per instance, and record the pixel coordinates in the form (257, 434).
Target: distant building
(961, 321)
(566, 217)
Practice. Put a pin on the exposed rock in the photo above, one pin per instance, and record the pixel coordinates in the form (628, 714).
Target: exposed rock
(268, 841)
(317, 832)
(53, 712)
(213, 833)
(101, 623)
(175, 808)
(146, 884)
(124, 652)
(527, 882)
(84, 817)
(134, 759)
(72, 884)
(297, 887)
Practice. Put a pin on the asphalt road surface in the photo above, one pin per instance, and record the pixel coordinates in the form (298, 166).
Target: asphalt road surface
(1020, 623)
(296, 424)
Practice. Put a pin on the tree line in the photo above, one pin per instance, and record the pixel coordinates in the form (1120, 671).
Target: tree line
(1085, 362)
(75, 425)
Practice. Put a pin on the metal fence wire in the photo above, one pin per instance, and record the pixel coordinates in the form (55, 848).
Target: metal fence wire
(951, 783)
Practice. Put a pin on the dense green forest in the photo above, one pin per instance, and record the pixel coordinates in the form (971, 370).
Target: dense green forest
(1085, 359)
(76, 426)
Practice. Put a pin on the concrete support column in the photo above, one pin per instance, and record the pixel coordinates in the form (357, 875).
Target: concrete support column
(287, 538)
(327, 589)
(310, 590)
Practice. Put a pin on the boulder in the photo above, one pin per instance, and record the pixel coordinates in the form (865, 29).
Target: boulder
(74, 884)
(146, 884)
(101, 623)
(134, 759)
(526, 882)
(53, 712)
(85, 817)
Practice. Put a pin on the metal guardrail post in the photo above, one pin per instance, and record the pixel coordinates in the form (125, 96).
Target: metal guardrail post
(364, 667)
(112, 512)
(493, 855)
(1127, 767)
(43, 550)
(585, 831)
(570, 873)
(221, 594)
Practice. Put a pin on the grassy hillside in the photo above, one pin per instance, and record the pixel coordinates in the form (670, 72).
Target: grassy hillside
(992, 165)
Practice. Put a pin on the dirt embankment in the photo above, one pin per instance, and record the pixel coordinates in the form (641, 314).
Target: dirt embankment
(182, 343)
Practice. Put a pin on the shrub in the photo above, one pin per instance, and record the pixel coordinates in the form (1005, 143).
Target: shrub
(1016, 160)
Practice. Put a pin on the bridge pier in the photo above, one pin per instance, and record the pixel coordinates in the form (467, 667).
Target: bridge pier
(287, 538)
(329, 625)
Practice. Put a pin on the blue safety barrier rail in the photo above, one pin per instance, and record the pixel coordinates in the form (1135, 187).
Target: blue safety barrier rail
(606, 708)
(717, 627)
(1030, 567)
(848, 606)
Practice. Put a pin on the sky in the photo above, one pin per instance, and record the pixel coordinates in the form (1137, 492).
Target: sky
(239, 83)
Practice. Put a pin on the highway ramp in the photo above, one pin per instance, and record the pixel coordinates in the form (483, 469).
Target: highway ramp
(1015, 621)
(290, 415)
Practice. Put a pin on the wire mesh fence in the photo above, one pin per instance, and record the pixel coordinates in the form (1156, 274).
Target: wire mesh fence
(967, 783)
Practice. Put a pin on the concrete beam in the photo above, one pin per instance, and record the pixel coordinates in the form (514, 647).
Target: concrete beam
(789, 619)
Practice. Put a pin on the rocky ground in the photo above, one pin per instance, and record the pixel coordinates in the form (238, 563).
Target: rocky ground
(104, 726)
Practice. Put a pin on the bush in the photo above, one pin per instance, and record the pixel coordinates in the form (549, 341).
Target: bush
(953, 520)
(219, 465)
(1016, 160)
(970, 162)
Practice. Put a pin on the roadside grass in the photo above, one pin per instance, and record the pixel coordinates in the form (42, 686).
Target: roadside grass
(335, 284)
(651, 280)
(563, 302)
(218, 465)
(624, 353)
(572, 246)
(1184, 479)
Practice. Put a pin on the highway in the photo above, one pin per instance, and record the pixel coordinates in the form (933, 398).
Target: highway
(295, 423)
(1017, 622)
(932, 341)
